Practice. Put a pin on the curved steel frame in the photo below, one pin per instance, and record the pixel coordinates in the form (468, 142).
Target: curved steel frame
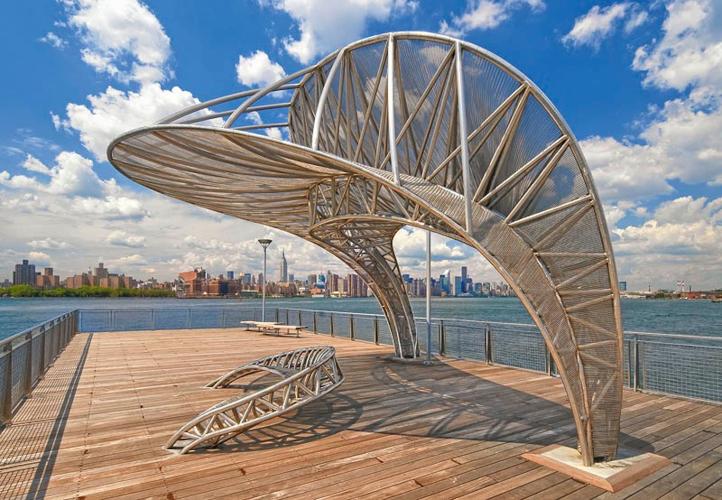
(308, 373)
(424, 130)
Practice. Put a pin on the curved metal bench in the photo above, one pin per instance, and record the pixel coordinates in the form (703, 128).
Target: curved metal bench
(308, 373)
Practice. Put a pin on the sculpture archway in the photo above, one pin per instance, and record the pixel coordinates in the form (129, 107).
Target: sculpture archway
(425, 130)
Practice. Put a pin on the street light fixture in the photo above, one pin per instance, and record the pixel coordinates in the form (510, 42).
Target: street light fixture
(264, 243)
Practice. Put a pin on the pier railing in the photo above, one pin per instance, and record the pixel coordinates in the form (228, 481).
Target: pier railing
(26, 356)
(681, 365)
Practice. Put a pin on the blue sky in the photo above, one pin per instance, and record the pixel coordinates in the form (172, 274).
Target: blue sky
(639, 83)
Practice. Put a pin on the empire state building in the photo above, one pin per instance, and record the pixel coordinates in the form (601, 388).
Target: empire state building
(284, 268)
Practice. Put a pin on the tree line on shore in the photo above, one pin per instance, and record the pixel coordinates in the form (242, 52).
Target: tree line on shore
(83, 291)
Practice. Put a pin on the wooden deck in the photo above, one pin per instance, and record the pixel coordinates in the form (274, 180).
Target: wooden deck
(95, 427)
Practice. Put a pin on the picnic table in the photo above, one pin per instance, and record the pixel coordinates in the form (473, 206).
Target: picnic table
(269, 327)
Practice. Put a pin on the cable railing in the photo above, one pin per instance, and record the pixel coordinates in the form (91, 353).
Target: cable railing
(665, 363)
(26, 356)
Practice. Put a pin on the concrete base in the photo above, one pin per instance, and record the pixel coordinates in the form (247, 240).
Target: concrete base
(626, 470)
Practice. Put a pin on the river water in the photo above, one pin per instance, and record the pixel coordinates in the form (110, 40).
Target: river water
(696, 317)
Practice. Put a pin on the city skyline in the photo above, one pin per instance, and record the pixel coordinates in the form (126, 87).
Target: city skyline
(448, 280)
(654, 109)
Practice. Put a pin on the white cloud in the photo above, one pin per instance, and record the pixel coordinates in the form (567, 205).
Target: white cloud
(325, 26)
(123, 239)
(690, 52)
(39, 258)
(122, 38)
(258, 70)
(71, 175)
(54, 40)
(255, 118)
(485, 14)
(636, 19)
(600, 22)
(48, 244)
(114, 111)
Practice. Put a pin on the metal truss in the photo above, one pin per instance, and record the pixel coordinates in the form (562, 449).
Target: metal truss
(424, 130)
(308, 373)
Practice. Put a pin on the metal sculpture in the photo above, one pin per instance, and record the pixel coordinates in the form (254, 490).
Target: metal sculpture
(424, 130)
(308, 373)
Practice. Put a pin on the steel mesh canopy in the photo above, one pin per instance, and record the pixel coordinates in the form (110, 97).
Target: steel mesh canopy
(423, 130)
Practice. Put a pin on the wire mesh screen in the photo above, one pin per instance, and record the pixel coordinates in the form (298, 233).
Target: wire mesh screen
(94, 320)
(19, 371)
(688, 370)
(307, 320)
(515, 345)
(421, 334)
(363, 328)
(385, 332)
(36, 367)
(323, 322)
(342, 325)
(465, 340)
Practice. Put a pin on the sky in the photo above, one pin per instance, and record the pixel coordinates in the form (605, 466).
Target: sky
(640, 84)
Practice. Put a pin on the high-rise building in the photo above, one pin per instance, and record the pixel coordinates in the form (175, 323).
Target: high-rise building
(247, 278)
(24, 274)
(311, 281)
(284, 268)
(100, 272)
(622, 286)
(47, 279)
(458, 286)
(291, 277)
(230, 275)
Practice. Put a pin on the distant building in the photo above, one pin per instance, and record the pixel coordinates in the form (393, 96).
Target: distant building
(193, 282)
(284, 268)
(24, 274)
(99, 273)
(230, 275)
(77, 281)
(247, 279)
(622, 286)
(47, 279)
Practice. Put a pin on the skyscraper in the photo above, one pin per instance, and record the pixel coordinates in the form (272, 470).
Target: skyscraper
(284, 268)
(24, 274)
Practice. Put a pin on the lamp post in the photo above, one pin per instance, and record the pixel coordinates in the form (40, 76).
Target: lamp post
(428, 298)
(264, 243)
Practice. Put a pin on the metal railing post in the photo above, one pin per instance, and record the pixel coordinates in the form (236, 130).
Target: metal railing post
(376, 331)
(630, 364)
(41, 370)
(636, 363)
(300, 318)
(223, 317)
(189, 318)
(487, 345)
(330, 324)
(7, 400)
(351, 332)
(29, 364)
(315, 323)
(277, 315)
(442, 337)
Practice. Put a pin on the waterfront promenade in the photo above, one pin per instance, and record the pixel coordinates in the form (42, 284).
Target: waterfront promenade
(95, 425)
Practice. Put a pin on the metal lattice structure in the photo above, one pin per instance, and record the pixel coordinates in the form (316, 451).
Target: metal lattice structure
(424, 130)
(307, 374)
